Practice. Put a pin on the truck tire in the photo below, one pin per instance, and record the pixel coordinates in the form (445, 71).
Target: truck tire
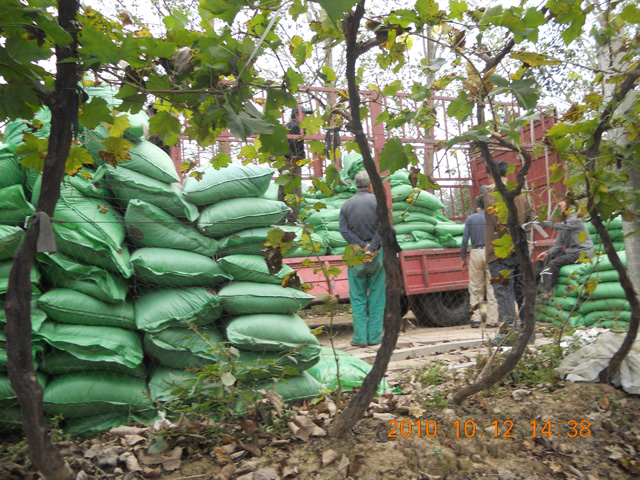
(419, 305)
(441, 309)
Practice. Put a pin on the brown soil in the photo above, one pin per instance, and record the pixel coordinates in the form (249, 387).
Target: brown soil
(604, 444)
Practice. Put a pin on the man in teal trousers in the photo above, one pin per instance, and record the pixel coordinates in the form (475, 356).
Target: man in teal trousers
(359, 226)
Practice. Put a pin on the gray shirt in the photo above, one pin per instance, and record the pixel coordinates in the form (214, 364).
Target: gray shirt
(474, 231)
(568, 233)
(359, 220)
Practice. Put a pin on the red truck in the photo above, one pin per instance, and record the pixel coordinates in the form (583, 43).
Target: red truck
(435, 286)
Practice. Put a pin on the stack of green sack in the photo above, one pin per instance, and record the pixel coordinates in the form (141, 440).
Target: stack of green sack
(14, 208)
(588, 294)
(614, 229)
(263, 326)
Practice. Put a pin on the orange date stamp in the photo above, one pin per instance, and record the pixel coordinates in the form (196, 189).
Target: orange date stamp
(467, 429)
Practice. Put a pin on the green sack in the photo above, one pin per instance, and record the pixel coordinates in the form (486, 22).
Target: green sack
(95, 393)
(453, 229)
(10, 240)
(419, 245)
(352, 371)
(90, 182)
(611, 305)
(127, 185)
(336, 250)
(564, 303)
(62, 271)
(336, 239)
(408, 228)
(324, 216)
(421, 198)
(10, 170)
(399, 177)
(594, 317)
(107, 348)
(7, 394)
(615, 224)
(14, 207)
(302, 248)
(251, 366)
(249, 297)
(558, 317)
(176, 268)
(413, 217)
(246, 242)
(145, 157)
(5, 268)
(601, 263)
(273, 333)
(230, 216)
(83, 246)
(60, 362)
(293, 388)
(94, 217)
(184, 348)
(272, 192)
(166, 308)
(68, 306)
(608, 290)
(10, 420)
(37, 315)
(252, 268)
(233, 181)
(150, 226)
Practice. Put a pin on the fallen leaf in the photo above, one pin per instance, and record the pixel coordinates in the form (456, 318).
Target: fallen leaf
(132, 440)
(172, 461)
(416, 411)
(252, 447)
(124, 430)
(520, 394)
(605, 403)
(222, 457)
(148, 472)
(265, 474)
(227, 472)
(248, 426)
(328, 457)
(356, 464)
(343, 467)
(130, 461)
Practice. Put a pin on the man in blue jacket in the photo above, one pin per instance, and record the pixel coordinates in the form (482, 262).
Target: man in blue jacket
(359, 226)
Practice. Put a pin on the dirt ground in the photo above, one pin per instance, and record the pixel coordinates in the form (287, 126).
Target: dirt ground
(535, 426)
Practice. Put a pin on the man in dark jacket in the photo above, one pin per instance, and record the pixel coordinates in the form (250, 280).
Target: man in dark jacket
(359, 226)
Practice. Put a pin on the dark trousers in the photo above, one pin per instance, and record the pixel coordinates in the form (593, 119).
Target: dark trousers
(508, 292)
(549, 275)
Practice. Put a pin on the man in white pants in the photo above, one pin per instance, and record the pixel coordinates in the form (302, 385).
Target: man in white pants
(479, 276)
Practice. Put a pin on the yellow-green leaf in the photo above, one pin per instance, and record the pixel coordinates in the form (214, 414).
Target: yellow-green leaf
(115, 150)
(582, 237)
(120, 125)
(535, 59)
(78, 156)
(503, 246)
(33, 151)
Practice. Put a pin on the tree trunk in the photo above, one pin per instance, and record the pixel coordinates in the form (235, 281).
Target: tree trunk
(610, 58)
(63, 104)
(359, 403)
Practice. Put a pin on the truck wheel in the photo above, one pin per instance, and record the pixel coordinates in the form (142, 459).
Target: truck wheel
(404, 305)
(420, 305)
(442, 309)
